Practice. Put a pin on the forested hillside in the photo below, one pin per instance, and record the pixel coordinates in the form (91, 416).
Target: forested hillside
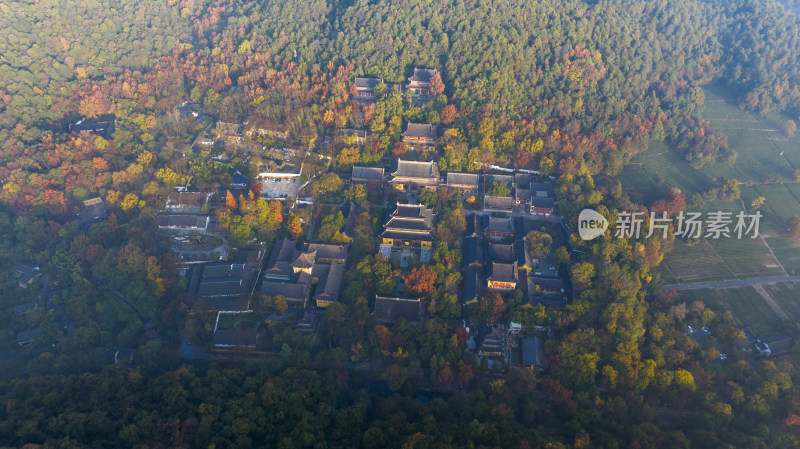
(47, 45)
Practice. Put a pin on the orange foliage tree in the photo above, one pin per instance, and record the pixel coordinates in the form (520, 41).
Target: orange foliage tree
(230, 201)
(277, 211)
(420, 281)
(295, 226)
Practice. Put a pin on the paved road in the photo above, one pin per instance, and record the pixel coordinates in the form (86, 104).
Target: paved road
(730, 284)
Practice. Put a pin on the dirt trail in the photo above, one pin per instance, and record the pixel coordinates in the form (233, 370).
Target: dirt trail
(770, 301)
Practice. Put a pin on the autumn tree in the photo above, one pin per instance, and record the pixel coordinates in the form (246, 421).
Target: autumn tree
(437, 86)
(539, 244)
(582, 273)
(399, 150)
(295, 226)
(491, 307)
(130, 201)
(789, 128)
(420, 280)
(464, 374)
(280, 304)
(396, 376)
(357, 193)
(327, 183)
(446, 375)
(348, 156)
(277, 211)
(230, 201)
(448, 114)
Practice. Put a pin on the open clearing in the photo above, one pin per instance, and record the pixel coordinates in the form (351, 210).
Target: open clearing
(764, 167)
(749, 305)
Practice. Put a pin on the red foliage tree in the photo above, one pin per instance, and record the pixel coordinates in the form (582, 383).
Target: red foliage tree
(462, 335)
(558, 393)
(448, 114)
(420, 280)
(437, 86)
(464, 374)
(399, 149)
(385, 337)
(446, 375)
(492, 307)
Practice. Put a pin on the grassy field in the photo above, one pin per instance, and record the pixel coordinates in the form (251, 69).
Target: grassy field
(720, 259)
(650, 173)
(787, 295)
(780, 201)
(787, 251)
(759, 142)
(756, 140)
(745, 303)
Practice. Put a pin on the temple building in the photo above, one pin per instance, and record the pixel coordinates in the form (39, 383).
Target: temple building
(413, 175)
(420, 82)
(365, 88)
(504, 276)
(295, 273)
(409, 230)
(420, 135)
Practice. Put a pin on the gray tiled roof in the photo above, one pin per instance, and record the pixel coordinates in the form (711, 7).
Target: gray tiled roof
(183, 221)
(24, 308)
(501, 203)
(494, 341)
(542, 187)
(504, 272)
(474, 283)
(248, 338)
(305, 260)
(390, 309)
(367, 83)
(279, 263)
(223, 269)
(500, 252)
(367, 173)
(537, 201)
(423, 75)
(499, 224)
(220, 288)
(533, 351)
(332, 285)
(296, 291)
(508, 179)
(474, 251)
(187, 201)
(415, 169)
(459, 179)
(327, 251)
(29, 334)
(420, 131)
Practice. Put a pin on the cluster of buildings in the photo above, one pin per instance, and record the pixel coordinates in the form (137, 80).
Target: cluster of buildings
(225, 286)
(419, 84)
(497, 257)
(523, 192)
(314, 271)
(187, 213)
